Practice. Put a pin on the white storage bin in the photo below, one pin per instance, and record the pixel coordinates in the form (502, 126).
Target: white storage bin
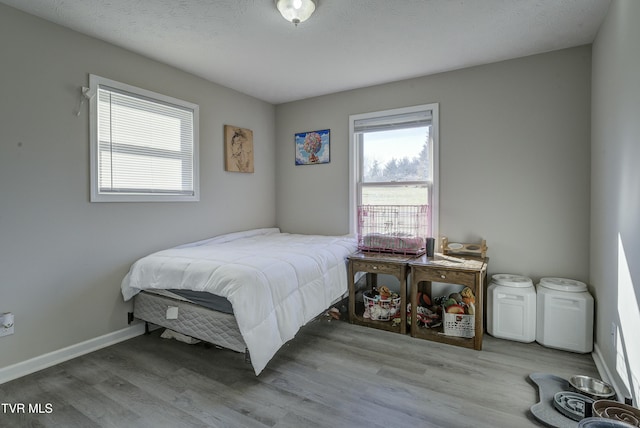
(565, 315)
(511, 308)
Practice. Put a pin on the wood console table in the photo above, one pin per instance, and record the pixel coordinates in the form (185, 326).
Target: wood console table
(469, 272)
(373, 264)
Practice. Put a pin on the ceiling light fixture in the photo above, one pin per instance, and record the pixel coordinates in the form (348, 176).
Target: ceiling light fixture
(296, 11)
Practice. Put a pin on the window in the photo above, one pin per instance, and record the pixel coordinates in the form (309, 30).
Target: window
(395, 160)
(144, 145)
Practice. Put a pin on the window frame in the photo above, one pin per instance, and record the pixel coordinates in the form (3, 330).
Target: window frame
(95, 82)
(357, 161)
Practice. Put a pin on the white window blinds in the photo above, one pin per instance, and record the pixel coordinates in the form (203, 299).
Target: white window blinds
(393, 121)
(145, 146)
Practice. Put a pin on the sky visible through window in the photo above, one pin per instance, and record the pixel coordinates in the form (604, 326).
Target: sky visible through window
(385, 145)
(396, 155)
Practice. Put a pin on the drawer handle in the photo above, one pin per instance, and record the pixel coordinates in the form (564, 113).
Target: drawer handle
(375, 267)
(443, 276)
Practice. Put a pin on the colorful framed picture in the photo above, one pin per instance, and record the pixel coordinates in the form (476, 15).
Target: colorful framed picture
(312, 148)
(238, 149)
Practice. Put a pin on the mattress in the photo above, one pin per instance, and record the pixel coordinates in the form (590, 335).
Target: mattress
(202, 298)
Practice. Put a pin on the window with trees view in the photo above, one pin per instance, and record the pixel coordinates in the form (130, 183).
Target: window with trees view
(395, 159)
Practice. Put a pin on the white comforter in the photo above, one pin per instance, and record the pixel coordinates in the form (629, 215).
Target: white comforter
(276, 282)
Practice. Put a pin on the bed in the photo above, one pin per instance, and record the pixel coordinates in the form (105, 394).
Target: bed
(273, 283)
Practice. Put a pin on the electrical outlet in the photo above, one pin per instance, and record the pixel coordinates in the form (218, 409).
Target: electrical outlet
(6, 324)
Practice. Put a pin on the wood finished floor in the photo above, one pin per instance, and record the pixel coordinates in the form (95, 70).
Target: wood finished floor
(333, 374)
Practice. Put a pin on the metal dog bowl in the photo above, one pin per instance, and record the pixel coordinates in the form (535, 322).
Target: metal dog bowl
(592, 387)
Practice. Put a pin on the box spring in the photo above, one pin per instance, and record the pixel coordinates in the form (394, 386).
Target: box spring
(193, 320)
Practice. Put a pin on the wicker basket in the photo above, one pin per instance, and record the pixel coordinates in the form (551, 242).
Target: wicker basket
(459, 325)
(379, 309)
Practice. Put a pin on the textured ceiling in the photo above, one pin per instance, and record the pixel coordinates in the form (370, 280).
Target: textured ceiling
(246, 45)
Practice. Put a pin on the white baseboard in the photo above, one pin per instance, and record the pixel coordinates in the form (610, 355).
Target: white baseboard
(606, 374)
(61, 355)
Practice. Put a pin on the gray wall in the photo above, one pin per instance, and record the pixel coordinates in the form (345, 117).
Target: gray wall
(615, 192)
(61, 257)
(514, 159)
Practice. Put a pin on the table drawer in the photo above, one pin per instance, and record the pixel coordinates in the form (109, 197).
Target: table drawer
(445, 275)
(378, 267)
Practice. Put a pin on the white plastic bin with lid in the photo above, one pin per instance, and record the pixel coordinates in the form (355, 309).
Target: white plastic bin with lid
(565, 315)
(511, 308)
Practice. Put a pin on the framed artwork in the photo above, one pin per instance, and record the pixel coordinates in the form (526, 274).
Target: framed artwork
(312, 147)
(238, 149)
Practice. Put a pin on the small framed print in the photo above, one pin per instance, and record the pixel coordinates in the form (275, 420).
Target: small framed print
(312, 148)
(238, 149)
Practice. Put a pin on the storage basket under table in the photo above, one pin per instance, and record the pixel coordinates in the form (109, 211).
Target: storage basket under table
(459, 325)
(381, 309)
